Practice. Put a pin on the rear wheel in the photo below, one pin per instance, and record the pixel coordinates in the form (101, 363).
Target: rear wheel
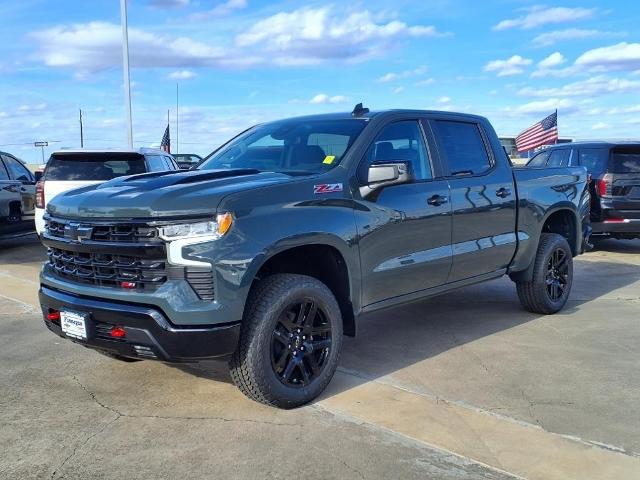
(289, 343)
(549, 288)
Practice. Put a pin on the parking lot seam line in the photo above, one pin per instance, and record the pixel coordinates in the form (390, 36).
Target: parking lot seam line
(30, 308)
(421, 443)
(461, 404)
(176, 417)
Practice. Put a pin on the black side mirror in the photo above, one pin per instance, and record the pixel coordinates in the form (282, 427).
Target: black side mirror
(384, 174)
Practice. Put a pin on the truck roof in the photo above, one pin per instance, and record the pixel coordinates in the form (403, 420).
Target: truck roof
(141, 150)
(595, 143)
(377, 113)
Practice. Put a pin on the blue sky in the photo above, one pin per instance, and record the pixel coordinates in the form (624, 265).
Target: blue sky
(239, 62)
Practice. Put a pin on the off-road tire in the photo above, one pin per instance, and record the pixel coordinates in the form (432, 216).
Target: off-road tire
(534, 295)
(251, 365)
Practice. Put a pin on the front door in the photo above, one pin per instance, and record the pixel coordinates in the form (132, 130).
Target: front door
(404, 230)
(483, 199)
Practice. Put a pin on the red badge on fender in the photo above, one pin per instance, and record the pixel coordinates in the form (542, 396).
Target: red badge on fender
(327, 188)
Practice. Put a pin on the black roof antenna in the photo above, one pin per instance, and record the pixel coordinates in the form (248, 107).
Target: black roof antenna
(359, 110)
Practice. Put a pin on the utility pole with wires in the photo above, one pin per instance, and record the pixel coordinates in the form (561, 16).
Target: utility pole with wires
(125, 67)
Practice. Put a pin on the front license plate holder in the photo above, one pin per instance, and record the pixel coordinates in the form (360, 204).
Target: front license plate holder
(74, 324)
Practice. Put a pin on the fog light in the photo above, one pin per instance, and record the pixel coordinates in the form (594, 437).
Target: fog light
(118, 332)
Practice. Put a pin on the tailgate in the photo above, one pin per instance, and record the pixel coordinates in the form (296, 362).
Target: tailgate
(624, 169)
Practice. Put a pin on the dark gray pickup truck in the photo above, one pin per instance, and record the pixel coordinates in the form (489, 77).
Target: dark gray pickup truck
(287, 235)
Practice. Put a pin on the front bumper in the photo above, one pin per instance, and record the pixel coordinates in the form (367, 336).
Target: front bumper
(148, 332)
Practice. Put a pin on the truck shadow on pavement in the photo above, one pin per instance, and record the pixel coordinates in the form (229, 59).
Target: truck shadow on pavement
(397, 338)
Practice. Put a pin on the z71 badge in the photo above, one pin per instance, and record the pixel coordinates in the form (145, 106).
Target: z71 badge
(327, 188)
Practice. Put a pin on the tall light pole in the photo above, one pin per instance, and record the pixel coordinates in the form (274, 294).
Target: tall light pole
(125, 66)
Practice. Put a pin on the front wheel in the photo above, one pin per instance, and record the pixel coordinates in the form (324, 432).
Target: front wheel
(290, 341)
(549, 288)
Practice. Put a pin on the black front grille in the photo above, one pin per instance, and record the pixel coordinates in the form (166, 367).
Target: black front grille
(202, 282)
(107, 269)
(117, 232)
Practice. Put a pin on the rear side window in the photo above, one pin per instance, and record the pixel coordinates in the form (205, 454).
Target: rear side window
(17, 171)
(594, 159)
(93, 167)
(3, 172)
(156, 163)
(558, 158)
(625, 160)
(539, 160)
(463, 146)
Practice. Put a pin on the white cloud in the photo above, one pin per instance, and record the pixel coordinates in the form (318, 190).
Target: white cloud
(551, 38)
(444, 100)
(392, 76)
(511, 66)
(182, 75)
(540, 15)
(169, 3)
(425, 82)
(622, 56)
(398, 90)
(304, 36)
(323, 98)
(551, 61)
(29, 109)
(95, 46)
(220, 10)
(544, 106)
(310, 36)
(594, 86)
(599, 126)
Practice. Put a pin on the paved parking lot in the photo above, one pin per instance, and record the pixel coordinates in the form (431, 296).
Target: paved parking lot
(463, 386)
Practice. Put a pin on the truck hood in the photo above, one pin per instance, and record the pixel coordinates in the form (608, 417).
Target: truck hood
(160, 194)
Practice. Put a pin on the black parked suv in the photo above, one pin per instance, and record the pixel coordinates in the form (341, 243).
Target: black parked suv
(615, 186)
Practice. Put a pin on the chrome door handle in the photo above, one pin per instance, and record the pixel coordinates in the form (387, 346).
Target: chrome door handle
(437, 200)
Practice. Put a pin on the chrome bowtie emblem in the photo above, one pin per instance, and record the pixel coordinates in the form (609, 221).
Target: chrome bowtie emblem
(77, 233)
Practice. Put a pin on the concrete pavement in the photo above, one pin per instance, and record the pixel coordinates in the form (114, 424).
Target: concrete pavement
(466, 385)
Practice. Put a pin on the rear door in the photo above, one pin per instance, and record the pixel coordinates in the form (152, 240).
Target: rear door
(483, 199)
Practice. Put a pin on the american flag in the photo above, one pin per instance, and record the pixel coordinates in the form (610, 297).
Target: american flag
(542, 133)
(165, 144)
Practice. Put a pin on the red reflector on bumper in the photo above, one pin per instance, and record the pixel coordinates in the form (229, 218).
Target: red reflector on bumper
(54, 316)
(118, 332)
(128, 284)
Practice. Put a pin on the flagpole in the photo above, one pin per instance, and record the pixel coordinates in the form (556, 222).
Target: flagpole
(125, 67)
(177, 138)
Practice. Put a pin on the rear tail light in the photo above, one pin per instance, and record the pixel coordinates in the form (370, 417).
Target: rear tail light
(605, 185)
(40, 194)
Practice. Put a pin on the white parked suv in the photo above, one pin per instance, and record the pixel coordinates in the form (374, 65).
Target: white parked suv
(69, 169)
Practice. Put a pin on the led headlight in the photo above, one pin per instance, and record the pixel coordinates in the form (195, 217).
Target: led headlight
(184, 234)
(199, 229)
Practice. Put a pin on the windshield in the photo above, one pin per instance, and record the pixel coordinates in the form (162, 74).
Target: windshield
(289, 146)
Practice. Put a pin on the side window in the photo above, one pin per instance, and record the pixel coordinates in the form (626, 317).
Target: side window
(593, 159)
(539, 160)
(463, 147)
(3, 172)
(559, 158)
(402, 142)
(17, 171)
(156, 163)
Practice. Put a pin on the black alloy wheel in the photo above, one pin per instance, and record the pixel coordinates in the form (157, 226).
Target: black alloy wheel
(557, 274)
(300, 344)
